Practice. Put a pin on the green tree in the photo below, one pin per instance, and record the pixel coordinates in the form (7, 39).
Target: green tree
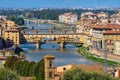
(4, 73)
(16, 19)
(25, 68)
(31, 68)
(10, 62)
(79, 74)
(39, 70)
(20, 68)
(17, 65)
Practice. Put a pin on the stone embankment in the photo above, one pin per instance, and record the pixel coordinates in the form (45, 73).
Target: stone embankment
(101, 54)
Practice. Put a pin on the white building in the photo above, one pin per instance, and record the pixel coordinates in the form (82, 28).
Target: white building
(117, 47)
(102, 15)
(3, 17)
(68, 18)
(89, 16)
(115, 18)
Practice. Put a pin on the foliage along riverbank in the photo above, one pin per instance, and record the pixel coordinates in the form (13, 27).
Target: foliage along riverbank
(79, 74)
(83, 51)
(6, 74)
(25, 68)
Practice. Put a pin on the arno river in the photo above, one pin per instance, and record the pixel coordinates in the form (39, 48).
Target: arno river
(62, 56)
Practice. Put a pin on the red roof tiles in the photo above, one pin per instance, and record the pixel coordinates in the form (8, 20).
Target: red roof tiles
(111, 32)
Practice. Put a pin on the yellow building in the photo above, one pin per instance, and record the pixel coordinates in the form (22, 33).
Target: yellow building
(109, 39)
(10, 23)
(12, 37)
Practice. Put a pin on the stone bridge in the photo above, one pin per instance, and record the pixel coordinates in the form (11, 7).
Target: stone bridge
(73, 37)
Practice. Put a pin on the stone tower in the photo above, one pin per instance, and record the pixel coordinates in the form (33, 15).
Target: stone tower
(49, 67)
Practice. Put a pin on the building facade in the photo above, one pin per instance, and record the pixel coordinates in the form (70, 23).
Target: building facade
(102, 16)
(68, 18)
(115, 18)
(89, 16)
(12, 37)
(117, 47)
(109, 39)
(3, 17)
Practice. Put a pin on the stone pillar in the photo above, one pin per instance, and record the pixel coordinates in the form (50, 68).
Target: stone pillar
(49, 67)
(37, 45)
(61, 44)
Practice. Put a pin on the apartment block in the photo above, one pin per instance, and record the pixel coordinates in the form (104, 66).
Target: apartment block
(68, 18)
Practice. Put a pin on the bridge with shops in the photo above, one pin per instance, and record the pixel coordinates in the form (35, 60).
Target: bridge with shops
(37, 36)
(57, 38)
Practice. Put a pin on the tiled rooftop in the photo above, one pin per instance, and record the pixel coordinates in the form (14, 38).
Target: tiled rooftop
(111, 32)
(109, 26)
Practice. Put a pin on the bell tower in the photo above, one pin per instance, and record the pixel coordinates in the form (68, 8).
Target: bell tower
(49, 67)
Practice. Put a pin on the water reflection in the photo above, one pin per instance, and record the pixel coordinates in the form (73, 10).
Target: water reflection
(64, 57)
(50, 46)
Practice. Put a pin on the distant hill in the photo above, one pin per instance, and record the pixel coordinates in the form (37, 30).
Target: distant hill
(52, 13)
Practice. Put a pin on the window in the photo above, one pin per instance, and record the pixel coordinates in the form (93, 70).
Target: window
(64, 69)
(50, 63)
(50, 74)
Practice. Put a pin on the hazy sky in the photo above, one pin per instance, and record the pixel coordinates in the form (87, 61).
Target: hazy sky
(58, 3)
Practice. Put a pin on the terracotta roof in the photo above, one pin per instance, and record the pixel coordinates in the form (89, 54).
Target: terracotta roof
(107, 26)
(91, 68)
(70, 14)
(98, 68)
(49, 56)
(111, 32)
(3, 21)
(113, 25)
(99, 27)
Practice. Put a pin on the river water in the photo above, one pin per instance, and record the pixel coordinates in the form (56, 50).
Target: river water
(62, 56)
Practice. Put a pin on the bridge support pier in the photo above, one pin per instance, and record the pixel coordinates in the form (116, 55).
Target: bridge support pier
(38, 45)
(62, 44)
